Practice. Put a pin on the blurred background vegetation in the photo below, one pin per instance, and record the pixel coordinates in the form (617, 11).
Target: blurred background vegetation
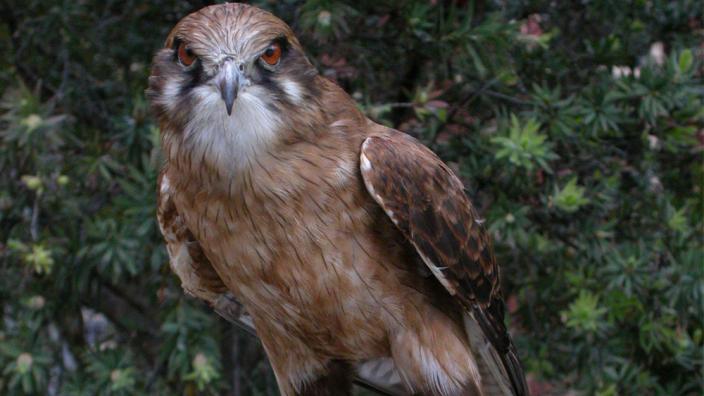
(577, 126)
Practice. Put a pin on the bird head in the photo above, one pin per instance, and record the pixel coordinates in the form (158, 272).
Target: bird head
(227, 77)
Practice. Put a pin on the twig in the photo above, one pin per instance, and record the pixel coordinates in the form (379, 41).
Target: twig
(469, 97)
(34, 223)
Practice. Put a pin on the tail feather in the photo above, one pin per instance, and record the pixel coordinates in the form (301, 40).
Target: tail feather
(515, 371)
(501, 371)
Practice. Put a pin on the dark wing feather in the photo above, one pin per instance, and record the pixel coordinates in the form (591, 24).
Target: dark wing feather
(427, 203)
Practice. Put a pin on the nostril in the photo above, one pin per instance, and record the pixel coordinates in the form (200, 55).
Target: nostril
(241, 67)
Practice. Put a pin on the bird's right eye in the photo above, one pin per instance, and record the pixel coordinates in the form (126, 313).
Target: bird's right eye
(185, 55)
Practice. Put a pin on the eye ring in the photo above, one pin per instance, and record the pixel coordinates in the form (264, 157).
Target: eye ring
(185, 56)
(272, 54)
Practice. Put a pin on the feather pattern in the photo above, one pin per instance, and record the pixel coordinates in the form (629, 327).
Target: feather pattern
(186, 255)
(265, 207)
(187, 259)
(427, 203)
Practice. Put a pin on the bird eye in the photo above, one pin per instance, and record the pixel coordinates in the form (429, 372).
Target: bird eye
(185, 55)
(272, 54)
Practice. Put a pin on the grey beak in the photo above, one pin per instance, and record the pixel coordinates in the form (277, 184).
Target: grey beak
(229, 85)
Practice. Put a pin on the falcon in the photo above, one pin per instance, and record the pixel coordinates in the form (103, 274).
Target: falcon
(344, 240)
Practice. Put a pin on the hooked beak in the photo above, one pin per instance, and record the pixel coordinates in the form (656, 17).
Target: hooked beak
(229, 84)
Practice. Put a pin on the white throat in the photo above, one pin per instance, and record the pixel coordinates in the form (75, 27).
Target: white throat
(228, 143)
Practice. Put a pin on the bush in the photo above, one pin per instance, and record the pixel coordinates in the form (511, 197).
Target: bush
(578, 128)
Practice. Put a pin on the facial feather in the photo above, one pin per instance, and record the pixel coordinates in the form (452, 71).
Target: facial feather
(229, 142)
(197, 131)
(293, 90)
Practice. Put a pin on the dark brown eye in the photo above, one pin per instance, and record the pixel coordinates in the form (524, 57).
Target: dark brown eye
(185, 55)
(272, 54)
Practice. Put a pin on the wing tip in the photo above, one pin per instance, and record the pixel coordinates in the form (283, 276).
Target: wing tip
(508, 370)
(516, 374)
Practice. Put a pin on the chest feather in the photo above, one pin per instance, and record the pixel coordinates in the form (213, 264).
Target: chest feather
(288, 222)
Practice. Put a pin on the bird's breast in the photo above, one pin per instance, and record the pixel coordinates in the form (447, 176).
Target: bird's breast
(302, 245)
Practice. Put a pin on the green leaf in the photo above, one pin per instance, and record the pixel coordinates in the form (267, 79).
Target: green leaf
(571, 197)
(678, 220)
(524, 146)
(685, 61)
(585, 314)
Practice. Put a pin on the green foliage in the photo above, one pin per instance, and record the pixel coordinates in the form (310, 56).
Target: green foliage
(113, 372)
(570, 197)
(524, 146)
(577, 127)
(204, 372)
(37, 257)
(25, 372)
(584, 314)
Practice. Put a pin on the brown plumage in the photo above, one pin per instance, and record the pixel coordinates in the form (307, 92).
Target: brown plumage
(337, 260)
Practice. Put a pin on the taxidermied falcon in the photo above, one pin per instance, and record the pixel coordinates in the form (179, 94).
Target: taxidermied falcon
(345, 241)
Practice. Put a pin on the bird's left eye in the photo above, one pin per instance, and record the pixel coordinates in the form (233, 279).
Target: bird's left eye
(185, 55)
(272, 54)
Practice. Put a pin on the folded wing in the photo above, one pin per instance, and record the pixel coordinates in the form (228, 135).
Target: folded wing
(427, 203)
